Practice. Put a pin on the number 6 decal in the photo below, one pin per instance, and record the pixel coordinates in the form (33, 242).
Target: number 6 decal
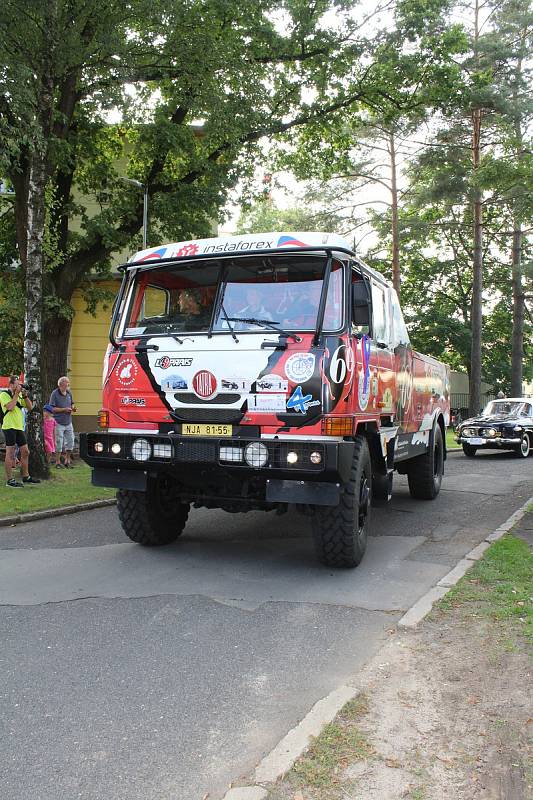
(340, 364)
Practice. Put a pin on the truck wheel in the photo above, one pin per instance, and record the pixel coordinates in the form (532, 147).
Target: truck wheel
(424, 474)
(340, 533)
(153, 517)
(522, 451)
(469, 450)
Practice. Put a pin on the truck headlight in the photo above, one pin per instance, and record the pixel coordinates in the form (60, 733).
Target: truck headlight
(141, 449)
(256, 454)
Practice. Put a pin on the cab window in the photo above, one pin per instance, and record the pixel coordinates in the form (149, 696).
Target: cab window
(379, 314)
(399, 331)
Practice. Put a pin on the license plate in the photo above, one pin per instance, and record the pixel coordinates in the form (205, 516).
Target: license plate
(192, 429)
(475, 440)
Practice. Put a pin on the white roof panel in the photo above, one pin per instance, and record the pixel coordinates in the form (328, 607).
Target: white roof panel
(247, 242)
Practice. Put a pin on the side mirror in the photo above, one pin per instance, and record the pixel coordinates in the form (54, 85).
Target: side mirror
(361, 303)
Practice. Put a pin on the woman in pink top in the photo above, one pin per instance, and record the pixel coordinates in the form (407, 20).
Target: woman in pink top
(49, 425)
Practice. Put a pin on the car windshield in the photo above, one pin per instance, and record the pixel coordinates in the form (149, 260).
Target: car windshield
(243, 294)
(505, 408)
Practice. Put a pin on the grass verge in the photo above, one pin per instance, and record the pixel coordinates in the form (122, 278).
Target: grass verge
(320, 769)
(499, 587)
(66, 487)
(451, 444)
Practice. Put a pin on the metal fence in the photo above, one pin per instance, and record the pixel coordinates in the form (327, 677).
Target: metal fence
(459, 402)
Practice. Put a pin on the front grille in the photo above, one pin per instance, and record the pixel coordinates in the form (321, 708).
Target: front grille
(220, 399)
(207, 414)
(195, 451)
(125, 442)
(226, 452)
(303, 450)
(233, 453)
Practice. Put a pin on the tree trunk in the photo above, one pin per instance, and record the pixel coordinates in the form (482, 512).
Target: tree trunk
(55, 351)
(38, 177)
(517, 357)
(34, 311)
(519, 300)
(396, 276)
(474, 401)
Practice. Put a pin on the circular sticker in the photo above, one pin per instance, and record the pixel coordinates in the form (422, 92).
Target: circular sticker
(127, 372)
(300, 367)
(204, 384)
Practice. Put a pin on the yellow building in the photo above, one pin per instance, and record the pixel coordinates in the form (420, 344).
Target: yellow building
(89, 338)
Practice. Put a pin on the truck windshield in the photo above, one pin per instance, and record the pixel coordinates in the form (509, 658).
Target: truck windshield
(196, 296)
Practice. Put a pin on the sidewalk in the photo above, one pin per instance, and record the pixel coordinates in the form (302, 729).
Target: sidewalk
(444, 712)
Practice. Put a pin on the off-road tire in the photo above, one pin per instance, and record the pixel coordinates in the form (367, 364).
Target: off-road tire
(523, 449)
(469, 450)
(340, 532)
(154, 517)
(424, 473)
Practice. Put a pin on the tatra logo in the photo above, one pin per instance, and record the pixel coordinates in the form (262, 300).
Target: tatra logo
(165, 362)
(204, 384)
(127, 372)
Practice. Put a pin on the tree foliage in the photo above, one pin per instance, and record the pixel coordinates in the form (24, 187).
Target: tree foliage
(195, 87)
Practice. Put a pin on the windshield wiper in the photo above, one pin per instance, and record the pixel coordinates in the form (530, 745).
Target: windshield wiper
(228, 320)
(266, 323)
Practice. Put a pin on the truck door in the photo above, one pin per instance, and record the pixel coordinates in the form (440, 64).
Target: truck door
(383, 387)
(402, 365)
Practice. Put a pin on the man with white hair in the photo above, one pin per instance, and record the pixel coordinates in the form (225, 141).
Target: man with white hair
(63, 408)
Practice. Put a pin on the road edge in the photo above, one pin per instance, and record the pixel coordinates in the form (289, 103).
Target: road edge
(281, 758)
(45, 513)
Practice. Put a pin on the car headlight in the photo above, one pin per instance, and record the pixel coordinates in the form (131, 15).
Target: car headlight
(141, 449)
(467, 432)
(490, 432)
(256, 454)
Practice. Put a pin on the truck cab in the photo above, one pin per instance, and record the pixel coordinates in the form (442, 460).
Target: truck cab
(263, 372)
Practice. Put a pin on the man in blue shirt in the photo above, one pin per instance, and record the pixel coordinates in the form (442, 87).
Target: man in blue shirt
(63, 408)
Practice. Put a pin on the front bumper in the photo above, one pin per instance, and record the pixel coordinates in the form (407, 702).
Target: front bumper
(186, 458)
(490, 444)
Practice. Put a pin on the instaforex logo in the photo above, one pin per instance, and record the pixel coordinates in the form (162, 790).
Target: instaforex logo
(229, 247)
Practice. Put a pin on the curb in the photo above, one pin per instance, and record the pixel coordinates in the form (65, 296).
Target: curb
(278, 762)
(31, 516)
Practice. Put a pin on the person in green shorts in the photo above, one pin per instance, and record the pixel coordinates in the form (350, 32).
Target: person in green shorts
(12, 401)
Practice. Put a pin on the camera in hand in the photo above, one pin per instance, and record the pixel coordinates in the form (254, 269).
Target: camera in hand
(26, 386)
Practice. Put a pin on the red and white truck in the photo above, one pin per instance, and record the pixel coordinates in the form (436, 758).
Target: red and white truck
(264, 371)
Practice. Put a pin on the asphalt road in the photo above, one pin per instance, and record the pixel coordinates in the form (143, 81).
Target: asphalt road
(134, 674)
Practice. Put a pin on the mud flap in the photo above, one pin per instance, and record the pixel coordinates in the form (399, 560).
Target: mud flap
(303, 492)
(119, 479)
